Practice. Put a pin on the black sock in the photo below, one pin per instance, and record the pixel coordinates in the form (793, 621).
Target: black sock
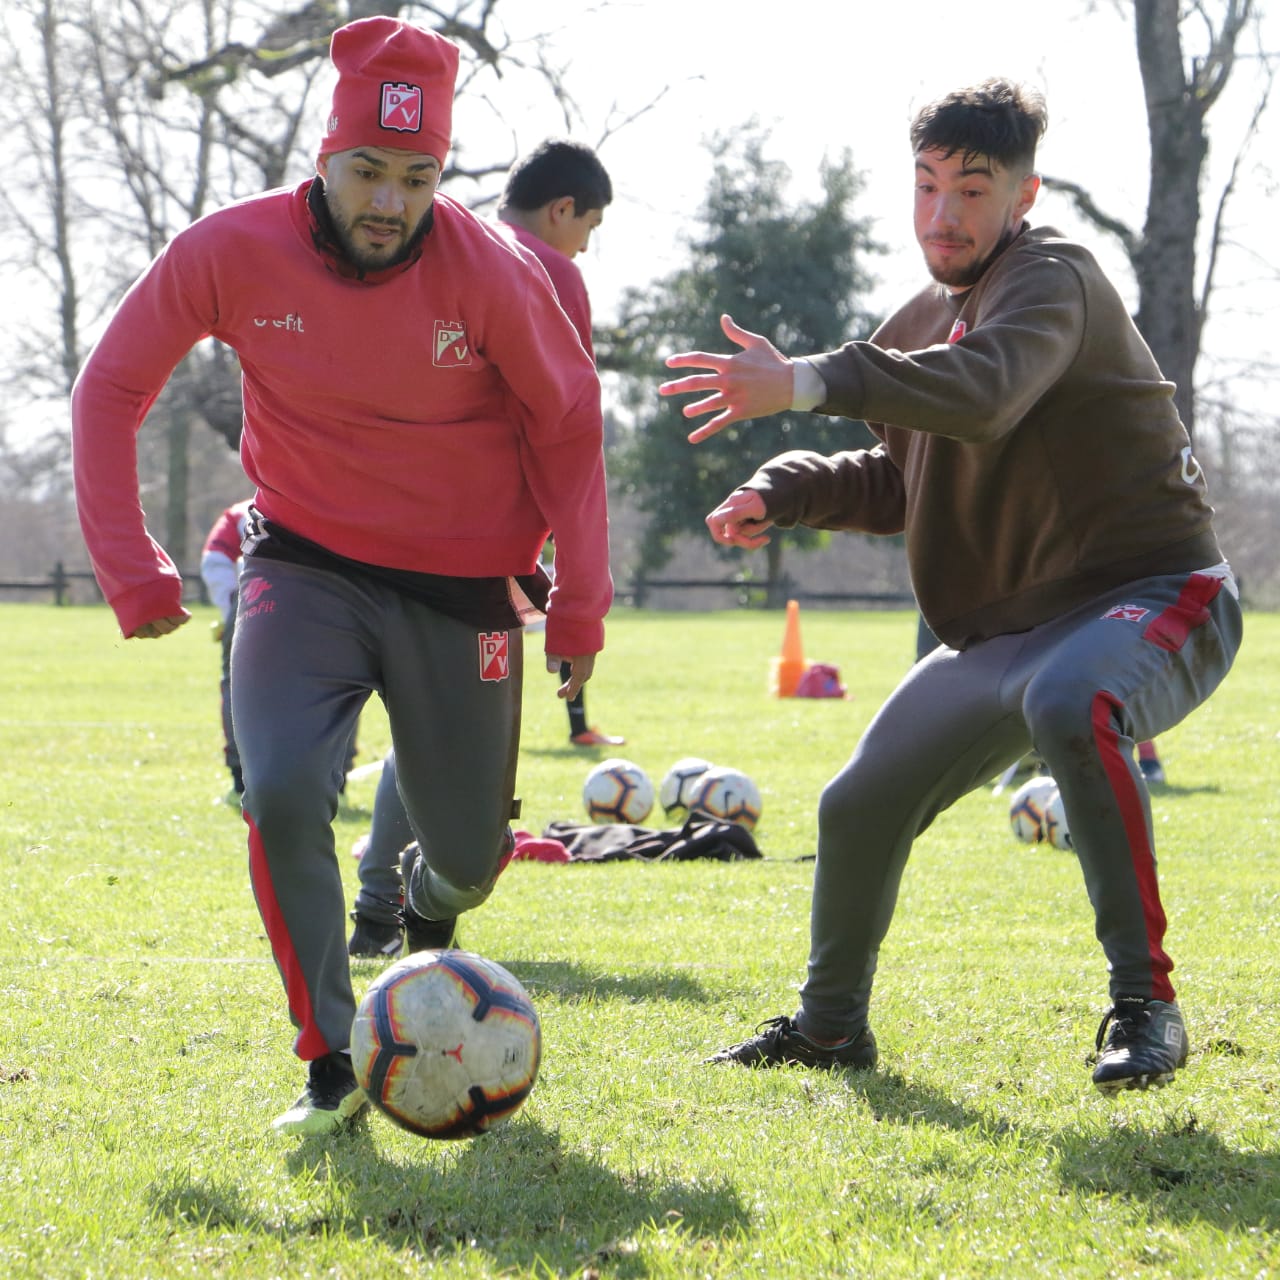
(577, 706)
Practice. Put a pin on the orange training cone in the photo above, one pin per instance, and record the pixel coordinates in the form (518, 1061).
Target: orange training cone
(786, 669)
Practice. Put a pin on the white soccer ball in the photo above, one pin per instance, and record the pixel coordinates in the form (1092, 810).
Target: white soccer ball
(681, 781)
(1027, 809)
(728, 794)
(1056, 830)
(617, 790)
(446, 1044)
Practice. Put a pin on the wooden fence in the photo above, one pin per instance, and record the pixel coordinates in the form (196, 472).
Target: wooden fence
(747, 593)
(62, 582)
(753, 593)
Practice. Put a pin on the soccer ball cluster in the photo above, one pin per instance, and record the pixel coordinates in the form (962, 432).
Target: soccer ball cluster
(1037, 815)
(620, 791)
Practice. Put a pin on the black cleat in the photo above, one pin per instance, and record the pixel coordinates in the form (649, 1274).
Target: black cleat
(1146, 1045)
(780, 1043)
(421, 934)
(375, 939)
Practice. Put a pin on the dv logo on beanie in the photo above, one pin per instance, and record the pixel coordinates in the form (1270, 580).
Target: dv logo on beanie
(394, 89)
(402, 107)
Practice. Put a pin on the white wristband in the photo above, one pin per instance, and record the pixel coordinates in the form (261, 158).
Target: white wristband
(807, 386)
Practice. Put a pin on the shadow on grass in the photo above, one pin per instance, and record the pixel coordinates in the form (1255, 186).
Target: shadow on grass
(1183, 1172)
(893, 1098)
(577, 982)
(515, 1195)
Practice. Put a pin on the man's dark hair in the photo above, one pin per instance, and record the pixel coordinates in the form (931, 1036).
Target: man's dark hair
(555, 169)
(997, 118)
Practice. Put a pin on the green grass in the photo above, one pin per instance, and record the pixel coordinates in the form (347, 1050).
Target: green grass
(144, 1047)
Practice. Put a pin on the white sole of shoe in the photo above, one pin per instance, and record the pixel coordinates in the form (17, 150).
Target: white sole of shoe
(312, 1122)
(1156, 1081)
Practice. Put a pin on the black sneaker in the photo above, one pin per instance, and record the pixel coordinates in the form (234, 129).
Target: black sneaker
(331, 1099)
(780, 1043)
(421, 934)
(1146, 1045)
(375, 939)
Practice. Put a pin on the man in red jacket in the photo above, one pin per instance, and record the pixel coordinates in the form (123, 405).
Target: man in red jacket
(419, 416)
(1061, 549)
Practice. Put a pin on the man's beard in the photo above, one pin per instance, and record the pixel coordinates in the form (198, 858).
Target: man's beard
(965, 275)
(958, 275)
(373, 259)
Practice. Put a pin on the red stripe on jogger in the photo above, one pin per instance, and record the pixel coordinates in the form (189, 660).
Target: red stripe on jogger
(309, 1043)
(1171, 628)
(1125, 790)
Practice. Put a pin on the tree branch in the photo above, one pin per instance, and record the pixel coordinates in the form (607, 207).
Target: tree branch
(1084, 203)
(1210, 76)
(1215, 240)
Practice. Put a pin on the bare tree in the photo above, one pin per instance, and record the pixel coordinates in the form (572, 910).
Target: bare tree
(137, 116)
(1173, 296)
(42, 113)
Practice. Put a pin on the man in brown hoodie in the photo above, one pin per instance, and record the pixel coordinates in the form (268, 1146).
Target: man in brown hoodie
(1061, 547)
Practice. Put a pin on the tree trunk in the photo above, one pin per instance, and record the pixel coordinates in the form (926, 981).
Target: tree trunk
(1166, 262)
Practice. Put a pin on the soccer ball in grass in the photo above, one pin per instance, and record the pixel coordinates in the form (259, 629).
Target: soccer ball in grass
(1056, 830)
(617, 791)
(1027, 809)
(446, 1044)
(681, 781)
(728, 794)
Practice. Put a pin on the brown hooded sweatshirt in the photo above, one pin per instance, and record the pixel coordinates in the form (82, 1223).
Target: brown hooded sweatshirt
(1031, 449)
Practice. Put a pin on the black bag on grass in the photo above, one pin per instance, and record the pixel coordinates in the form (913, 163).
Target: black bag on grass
(700, 837)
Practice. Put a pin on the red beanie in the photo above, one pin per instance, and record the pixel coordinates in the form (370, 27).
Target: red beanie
(395, 88)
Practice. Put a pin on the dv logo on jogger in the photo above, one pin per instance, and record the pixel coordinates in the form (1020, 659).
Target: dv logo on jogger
(494, 655)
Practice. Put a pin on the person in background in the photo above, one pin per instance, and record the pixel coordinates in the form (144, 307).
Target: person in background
(220, 573)
(419, 416)
(1061, 548)
(554, 199)
(378, 914)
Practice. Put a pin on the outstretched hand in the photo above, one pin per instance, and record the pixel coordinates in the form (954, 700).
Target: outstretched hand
(752, 383)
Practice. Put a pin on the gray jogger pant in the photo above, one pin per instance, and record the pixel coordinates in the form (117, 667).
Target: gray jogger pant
(381, 890)
(311, 645)
(1082, 689)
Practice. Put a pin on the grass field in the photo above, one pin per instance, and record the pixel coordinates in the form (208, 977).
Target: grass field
(144, 1046)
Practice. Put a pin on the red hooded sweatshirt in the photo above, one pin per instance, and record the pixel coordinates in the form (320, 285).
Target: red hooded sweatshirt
(440, 417)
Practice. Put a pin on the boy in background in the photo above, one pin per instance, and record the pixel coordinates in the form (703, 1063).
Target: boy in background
(554, 199)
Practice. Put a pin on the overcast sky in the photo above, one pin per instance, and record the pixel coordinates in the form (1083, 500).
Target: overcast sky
(821, 75)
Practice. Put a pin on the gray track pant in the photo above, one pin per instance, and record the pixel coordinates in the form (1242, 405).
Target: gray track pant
(380, 890)
(310, 647)
(1082, 689)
